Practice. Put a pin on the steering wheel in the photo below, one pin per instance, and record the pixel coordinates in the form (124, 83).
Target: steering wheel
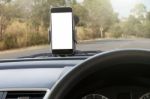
(100, 61)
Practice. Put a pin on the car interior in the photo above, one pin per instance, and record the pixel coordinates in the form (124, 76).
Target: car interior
(68, 73)
(119, 74)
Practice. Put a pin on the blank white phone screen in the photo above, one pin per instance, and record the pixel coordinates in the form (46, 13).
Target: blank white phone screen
(62, 30)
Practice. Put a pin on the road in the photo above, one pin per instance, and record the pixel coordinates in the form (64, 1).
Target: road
(104, 45)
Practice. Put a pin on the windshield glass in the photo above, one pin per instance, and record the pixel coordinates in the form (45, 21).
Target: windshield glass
(104, 25)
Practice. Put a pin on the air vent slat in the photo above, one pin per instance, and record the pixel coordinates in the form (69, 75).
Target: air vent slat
(25, 94)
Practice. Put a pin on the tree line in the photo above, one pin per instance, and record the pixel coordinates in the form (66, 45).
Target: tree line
(26, 22)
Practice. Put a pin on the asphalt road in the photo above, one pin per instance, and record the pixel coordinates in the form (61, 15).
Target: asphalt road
(103, 45)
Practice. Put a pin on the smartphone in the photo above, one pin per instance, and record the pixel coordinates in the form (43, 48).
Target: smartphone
(62, 31)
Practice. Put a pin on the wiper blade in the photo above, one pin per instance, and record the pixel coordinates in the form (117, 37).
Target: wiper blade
(77, 53)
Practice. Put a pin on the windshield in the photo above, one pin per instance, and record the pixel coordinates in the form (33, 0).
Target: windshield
(104, 25)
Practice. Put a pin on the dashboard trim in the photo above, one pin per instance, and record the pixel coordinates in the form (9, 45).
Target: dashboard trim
(48, 91)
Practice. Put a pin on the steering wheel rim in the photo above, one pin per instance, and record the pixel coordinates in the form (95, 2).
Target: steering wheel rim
(100, 61)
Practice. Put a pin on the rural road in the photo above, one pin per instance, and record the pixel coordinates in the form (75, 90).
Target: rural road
(104, 45)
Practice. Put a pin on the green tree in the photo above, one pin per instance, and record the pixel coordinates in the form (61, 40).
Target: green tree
(82, 13)
(148, 16)
(101, 15)
(8, 11)
(40, 12)
(139, 24)
(116, 30)
(130, 25)
(139, 11)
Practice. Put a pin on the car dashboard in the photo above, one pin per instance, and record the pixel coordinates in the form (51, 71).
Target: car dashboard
(32, 78)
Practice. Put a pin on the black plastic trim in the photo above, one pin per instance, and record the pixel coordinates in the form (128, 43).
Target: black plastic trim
(61, 9)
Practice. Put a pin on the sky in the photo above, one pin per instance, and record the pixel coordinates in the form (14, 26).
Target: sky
(123, 7)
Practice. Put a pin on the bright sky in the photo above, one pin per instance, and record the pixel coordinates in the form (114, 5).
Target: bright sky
(123, 7)
(80, 0)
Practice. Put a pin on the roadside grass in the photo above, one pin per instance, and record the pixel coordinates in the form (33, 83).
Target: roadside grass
(24, 49)
(20, 35)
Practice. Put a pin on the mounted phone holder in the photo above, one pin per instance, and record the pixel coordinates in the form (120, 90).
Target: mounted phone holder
(62, 33)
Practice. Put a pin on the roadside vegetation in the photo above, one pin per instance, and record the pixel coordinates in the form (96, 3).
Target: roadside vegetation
(25, 22)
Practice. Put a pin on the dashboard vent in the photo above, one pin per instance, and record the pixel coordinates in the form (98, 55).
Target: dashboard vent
(25, 95)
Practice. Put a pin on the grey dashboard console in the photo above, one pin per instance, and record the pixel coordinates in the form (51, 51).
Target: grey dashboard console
(33, 74)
